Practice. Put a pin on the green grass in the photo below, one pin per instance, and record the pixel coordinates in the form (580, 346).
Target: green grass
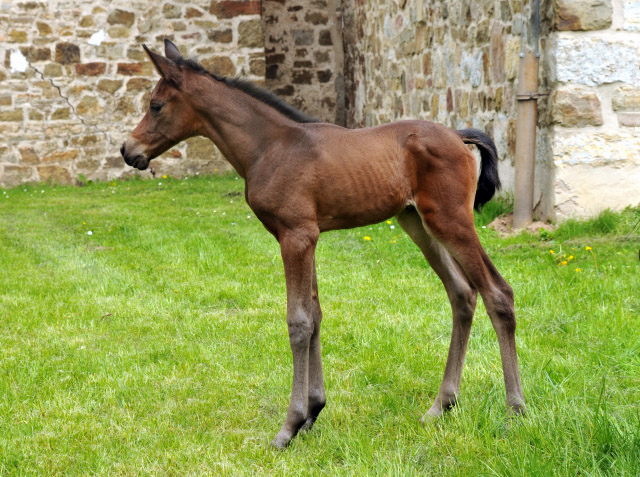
(158, 344)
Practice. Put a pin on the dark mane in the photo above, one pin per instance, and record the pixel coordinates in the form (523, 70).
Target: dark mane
(246, 86)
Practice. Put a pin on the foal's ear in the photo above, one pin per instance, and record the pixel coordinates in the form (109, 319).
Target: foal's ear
(166, 67)
(171, 51)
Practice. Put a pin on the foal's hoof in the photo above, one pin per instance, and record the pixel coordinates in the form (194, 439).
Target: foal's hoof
(280, 442)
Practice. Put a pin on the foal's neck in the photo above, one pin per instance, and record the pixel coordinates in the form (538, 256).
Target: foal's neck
(241, 126)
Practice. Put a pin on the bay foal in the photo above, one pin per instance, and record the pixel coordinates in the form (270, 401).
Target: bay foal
(304, 177)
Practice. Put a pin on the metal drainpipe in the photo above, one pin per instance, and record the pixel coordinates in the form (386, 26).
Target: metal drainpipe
(527, 112)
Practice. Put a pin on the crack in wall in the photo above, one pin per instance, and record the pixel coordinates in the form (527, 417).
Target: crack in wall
(73, 109)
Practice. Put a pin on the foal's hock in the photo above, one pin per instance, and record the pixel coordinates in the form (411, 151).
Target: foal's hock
(303, 177)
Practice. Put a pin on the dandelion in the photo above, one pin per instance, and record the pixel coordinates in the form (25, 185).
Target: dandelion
(564, 263)
(84, 223)
(578, 270)
(164, 176)
(571, 257)
(389, 222)
(588, 248)
(367, 238)
(552, 252)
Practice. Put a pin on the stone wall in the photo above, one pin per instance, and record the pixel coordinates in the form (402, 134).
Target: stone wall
(453, 62)
(304, 55)
(596, 105)
(74, 80)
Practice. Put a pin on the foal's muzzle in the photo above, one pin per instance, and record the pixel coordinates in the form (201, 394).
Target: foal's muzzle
(133, 159)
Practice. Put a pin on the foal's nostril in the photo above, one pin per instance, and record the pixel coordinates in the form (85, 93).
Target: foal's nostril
(122, 150)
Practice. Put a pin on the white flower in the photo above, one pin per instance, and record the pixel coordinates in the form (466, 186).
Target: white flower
(89, 232)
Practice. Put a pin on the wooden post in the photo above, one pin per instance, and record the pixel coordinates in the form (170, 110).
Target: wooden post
(526, 140)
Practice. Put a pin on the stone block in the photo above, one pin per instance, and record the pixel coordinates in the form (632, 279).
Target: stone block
(14, 175)
(44, 29)
(302, 77)
(257, 66)
(250, 34)
(87, 21)
(316, 18)
(11, 115)
(575, 15)
(28, 155)
(231, 8)
(302, 37)
(631, 15)
(54, 174)
(91, 69)
(135, 69)
(139, 84)
(109, 86)
(626, 98)
(35, 115)
(121, 17)
(629, 119)
(169, 10)
(200, 148)
(67, 53)
(192, 12)
(595, 61)
(119, 31)
(33, 54)
(324, 76)
(65, 155)
(52, 70)
(324, 38)
(576, 106)
(18, 36)
(497, 53)
(221, 36)
(220, 65)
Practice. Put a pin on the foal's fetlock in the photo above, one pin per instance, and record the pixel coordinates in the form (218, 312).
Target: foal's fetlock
(314, 411)
(516, 407)
(441, 405)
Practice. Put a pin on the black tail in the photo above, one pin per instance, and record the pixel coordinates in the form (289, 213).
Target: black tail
(488, 182)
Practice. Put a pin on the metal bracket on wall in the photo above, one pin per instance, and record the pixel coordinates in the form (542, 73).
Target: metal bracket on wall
(530, 96)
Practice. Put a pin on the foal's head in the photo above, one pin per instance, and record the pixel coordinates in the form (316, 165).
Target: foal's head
(170, 118)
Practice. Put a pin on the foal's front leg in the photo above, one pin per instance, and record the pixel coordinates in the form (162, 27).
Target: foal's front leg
(298, 248)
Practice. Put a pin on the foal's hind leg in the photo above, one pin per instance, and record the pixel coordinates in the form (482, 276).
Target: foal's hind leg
(462, 297)
(454, 228)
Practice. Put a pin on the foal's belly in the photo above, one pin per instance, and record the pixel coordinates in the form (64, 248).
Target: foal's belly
(356, 196)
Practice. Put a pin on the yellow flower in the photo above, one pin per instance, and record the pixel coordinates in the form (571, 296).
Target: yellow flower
(563, 263)
(551, 252)
(389, 222)
(164, 176)
(367, 238)
(587, 248)
(578, 270)
(571, 257)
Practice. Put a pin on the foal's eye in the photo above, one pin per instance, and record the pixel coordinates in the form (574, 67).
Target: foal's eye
(155, 107)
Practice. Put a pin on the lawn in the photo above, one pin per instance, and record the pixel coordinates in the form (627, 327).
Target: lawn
(143, 332)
